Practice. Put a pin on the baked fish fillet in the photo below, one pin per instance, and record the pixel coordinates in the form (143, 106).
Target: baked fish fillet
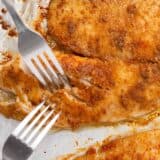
(103, 92)
(141, 146)
(107, 28)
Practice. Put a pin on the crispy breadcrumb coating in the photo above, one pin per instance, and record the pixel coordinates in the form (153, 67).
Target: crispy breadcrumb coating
(141, 146)
(102, 28)
(103, 92)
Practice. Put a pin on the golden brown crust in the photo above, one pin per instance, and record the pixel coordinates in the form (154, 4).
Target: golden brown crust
(103, 92)
(141, 146)
(23, 86)
(104, 28)
(14, 77)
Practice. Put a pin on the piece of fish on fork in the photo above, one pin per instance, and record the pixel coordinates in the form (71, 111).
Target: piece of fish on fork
(37, 55)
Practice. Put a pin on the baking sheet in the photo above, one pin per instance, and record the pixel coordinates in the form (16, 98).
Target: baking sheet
(59, 142)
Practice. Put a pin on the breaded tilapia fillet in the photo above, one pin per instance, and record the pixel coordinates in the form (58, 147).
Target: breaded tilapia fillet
(102, 28)
(141, 146)
(103, 92)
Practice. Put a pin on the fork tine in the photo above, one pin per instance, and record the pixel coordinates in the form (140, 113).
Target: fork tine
(44, 131)
(34, 70)
(49, 69)
(39, 65)
(54, 60)
(38, 73)
(30, 126)
(47, 64)
(27, 119)
(47, 82)
(61, 76)
(36, 130)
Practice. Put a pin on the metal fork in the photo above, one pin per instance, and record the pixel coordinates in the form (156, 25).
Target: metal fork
(30, 132)
(37, 55)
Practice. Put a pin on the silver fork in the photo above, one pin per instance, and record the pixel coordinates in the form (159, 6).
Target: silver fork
(29, 133)
(37, 55)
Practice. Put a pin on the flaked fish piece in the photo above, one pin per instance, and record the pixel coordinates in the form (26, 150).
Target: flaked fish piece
(115, 90)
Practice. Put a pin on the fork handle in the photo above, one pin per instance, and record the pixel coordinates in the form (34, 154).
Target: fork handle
(17, 20)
